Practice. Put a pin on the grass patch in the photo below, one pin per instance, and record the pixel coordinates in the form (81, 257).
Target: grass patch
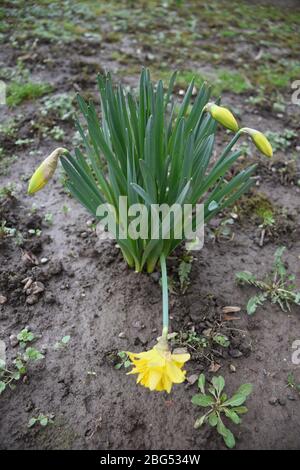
(19, 92)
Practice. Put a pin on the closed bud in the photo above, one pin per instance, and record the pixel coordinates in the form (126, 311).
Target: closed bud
(45, 171)
(223, 116)
(260, 140)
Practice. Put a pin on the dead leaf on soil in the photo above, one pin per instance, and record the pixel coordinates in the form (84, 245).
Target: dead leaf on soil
(214, 367)
(29, 258)
(231, 309)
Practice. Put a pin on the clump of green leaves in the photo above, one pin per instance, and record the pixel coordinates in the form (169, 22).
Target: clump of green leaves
(220, 406)
(281, 141)
(10, 232)
(278, 286)
(60, 105)
(41, 419)
(25, 336)
(152, 156)
(124, 360)
(8, 376)
(18, 92)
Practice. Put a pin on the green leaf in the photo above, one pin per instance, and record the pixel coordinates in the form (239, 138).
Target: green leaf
(219, 384)
(235, 400)
(199, 422)
(33, 354)
(254, 302)
(245, 389)
(240, 409)
(226, 434)
(31, 422)
(229, 439)
(233, 416)
(201, 383)
(66, 339)
(202, 400)
(43, 421)
(2, 387)
(213, 419)
(245, 276)
(2, 364)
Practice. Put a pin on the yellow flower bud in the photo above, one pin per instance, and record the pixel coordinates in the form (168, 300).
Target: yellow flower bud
(223, 116)
(45, 171)
(259, 140)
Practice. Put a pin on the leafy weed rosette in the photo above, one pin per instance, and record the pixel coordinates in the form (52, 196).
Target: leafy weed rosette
(153, 151)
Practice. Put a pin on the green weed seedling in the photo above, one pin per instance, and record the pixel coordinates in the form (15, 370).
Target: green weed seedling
(8, 376)
(291, 382)
(62, 344)
(25, 336)
(184, 271)
(124, 360)
(220, 406)
(277, 287)
(41, 419)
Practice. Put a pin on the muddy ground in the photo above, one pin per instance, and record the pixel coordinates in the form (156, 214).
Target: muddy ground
(89, 292)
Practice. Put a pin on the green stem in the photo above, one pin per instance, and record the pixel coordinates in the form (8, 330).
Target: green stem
(165, 294)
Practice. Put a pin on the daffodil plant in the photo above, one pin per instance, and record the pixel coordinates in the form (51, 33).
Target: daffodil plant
(152, 152)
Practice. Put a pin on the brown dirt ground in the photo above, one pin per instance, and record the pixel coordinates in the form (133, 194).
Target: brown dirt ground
(92, 295)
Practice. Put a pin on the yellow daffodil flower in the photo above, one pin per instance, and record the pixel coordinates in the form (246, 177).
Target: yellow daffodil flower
(45, 171)
(158, 369)
(223, 116)
(260, 140)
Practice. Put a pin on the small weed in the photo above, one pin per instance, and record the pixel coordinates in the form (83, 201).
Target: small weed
(63, 343)
(66, 209)
(8, 377)
(281, 141)
(7, 232)
(184, 271)
(124, 360)
(291, 382)
(220, 405)
(48, 218)
(60, 105)
(25, 336)
(19, 92)
(35, 232)
(41, 419)
(277, 287)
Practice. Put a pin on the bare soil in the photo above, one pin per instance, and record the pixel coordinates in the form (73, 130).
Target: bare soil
(91, 295)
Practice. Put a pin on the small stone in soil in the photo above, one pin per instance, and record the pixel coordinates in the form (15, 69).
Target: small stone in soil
(49, 298)
(273, 401)
(192, 379)
(291, 397)
(232, 368)
(44, 260)
(32, 299)
(235, 353)
(122, 334)
(3, 299)
(281, 402)
(13, 340)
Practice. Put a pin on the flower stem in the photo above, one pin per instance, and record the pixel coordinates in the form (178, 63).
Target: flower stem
(165, 294)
